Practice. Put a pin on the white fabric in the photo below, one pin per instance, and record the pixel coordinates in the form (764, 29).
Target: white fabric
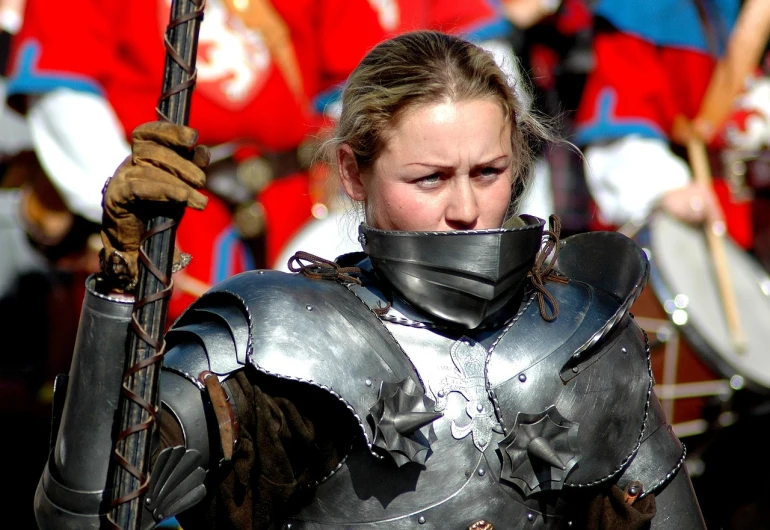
(10, 18)
(80, 143)
(539, 198)
(328, 238)
(628, 176)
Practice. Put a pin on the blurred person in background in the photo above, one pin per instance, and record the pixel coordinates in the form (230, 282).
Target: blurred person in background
(46, 250)
(86, 83)
(650, 94)
(86, 73)
(654, 61)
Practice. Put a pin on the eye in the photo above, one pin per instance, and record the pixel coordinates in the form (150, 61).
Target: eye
(490, 171)
(431, 179)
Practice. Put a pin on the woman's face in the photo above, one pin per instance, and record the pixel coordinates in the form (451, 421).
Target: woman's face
(445, 166)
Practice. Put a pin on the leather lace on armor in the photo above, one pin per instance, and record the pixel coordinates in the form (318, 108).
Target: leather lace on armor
(322, 269)
(319, 268)
(543, 270)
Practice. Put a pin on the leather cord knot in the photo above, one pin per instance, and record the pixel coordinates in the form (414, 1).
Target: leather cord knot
(543, 271)
(317, 268)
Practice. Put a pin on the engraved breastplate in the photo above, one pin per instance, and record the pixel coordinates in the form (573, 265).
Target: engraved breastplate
(453, 372)
(459, 483)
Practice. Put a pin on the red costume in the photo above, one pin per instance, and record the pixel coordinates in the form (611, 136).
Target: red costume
(653, 63)
(242, 94)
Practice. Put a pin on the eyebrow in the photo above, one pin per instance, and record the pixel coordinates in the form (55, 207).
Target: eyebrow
(441, 166)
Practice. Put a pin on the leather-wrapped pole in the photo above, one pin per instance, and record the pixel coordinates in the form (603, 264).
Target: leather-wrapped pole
(139, 391)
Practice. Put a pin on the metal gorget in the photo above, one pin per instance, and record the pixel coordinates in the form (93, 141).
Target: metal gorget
(465, 278)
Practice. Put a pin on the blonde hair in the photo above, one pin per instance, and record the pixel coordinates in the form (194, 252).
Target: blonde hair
(427, 67)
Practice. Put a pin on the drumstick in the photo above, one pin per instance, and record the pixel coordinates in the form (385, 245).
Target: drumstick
(715, 232)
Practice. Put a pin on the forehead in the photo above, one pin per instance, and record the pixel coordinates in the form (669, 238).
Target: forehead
(472, 128)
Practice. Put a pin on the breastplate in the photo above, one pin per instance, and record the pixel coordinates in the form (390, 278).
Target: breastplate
(573, 394)
(460, 483)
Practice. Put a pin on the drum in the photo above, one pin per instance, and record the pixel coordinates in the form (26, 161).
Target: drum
(697, 368)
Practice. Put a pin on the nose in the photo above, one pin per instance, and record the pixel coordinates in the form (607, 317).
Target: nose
(462, 211)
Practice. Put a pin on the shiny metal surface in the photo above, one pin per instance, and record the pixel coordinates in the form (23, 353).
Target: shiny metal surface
(293, 328)
(609, 428)
(187, 357)
(608, 261)
(453, 370)
(587, 373)
(176, 483)
(660, 456)
(677, 506)
(461, 277)
(480, 497)
(184, 400)
(81, 457)
(403, 418)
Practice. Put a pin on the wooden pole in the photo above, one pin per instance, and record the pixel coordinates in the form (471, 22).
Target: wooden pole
(139, 400)
(715, 234)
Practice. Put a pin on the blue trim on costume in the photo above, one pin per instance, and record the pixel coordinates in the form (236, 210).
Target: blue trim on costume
(673, 23)
(171, 523)
(27, 78)
(607, 126)
(496, 28)
(225, 246)
(327, 97)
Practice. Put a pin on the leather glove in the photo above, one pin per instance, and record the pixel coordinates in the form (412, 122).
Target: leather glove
(165, 170)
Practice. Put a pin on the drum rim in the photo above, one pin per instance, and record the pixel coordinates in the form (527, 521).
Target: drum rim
(708, 354)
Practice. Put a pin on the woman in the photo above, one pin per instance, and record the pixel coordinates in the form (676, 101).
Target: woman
(448, 377)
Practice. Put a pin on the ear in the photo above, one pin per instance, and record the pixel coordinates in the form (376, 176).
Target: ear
(350, 175)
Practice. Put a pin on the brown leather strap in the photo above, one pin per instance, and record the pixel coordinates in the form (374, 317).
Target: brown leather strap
(223, 410)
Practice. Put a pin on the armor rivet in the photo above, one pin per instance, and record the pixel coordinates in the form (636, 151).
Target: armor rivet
(287, 526)
(569, 523)
(368, 382)
(480, 407)
(530, 516)
(421, 520)
(440, 393)
(482, 472)
(148, 501)
(624, 350)
(522, 377)
(632, 491)
(160, 517)
(309, 307)
(575, 369)
(576, 356)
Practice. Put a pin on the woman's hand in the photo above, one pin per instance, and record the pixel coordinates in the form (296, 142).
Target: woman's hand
(165, 166)
(692, 204)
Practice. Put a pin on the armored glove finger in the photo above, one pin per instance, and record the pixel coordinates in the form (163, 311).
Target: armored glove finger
(164, 171)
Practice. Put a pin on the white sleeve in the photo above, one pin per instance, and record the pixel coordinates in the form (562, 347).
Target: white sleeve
(80, 143)
(628, 176)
